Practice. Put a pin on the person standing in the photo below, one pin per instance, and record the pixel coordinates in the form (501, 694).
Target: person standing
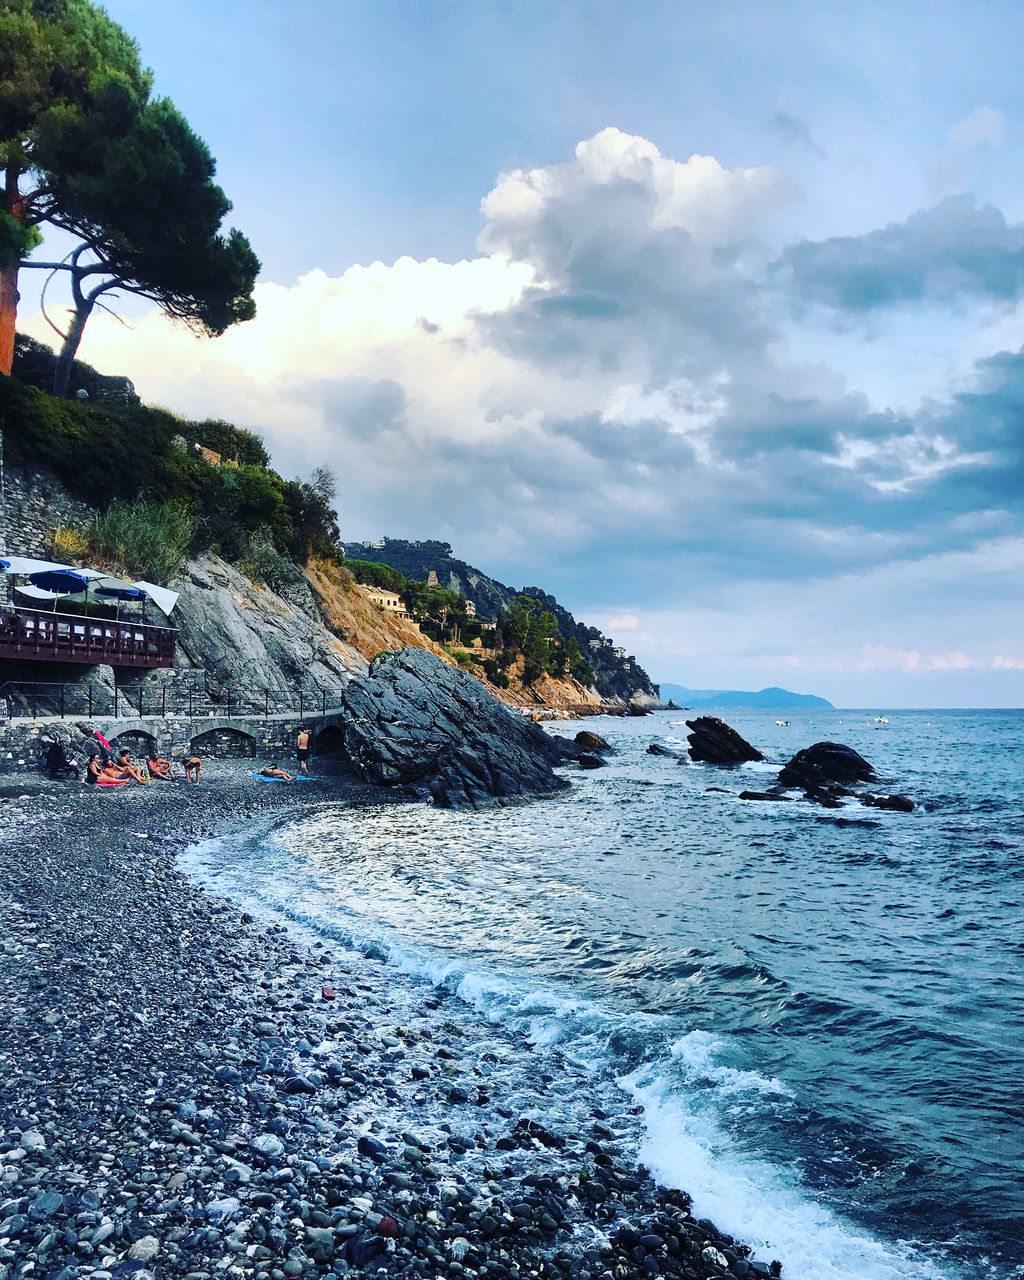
(302, 748)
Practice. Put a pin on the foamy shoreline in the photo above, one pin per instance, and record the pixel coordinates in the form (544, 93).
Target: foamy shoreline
(180, 1098)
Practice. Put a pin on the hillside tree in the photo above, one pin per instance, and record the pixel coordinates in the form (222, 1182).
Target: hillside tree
(123, 175)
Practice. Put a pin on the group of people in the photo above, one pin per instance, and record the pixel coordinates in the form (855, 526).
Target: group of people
(110, 772)
(119, 772)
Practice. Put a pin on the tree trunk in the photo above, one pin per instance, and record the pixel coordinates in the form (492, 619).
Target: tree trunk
(8, 315)
(66, 359)
(14, 206)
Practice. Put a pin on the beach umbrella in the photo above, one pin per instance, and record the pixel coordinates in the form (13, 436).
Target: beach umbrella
(4, 565)
(116, 589)
(60, 581)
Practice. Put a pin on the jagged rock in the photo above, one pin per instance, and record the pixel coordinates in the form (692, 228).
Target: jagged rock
(249, 639)
(638, 709)
(413, 721)
(590, 741)
(764, 795)
(824, 764)
(656, 749)
(714, 741)
(901, 804)
(588, 761)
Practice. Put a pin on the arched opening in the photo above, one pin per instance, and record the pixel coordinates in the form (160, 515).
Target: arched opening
(330, 741)
(224, 744)
(138, 742)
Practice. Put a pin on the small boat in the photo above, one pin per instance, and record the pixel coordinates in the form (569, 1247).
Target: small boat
(782, 723)
(881, 720)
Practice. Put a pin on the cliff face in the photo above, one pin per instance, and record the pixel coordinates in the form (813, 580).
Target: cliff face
(317, 630)
(618, 676)
(248, 639)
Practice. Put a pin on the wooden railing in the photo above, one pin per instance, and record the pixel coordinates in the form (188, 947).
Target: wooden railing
(42, 636)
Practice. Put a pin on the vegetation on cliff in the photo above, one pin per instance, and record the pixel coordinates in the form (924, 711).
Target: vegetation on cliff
(148, 458)
(566, 647)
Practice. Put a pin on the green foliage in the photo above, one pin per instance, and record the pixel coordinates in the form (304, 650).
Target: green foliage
(233, 443)
(261, 562)
(142, 539)
(104, 454)
(371, 574)
(495, 674)
(313, 520)
(464, 658)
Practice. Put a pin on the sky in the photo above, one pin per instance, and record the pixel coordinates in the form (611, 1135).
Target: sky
(707, 319)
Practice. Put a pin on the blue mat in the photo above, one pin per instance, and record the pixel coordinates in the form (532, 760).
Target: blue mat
(299, 777)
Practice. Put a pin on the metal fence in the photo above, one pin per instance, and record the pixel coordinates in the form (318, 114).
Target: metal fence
(32, 699)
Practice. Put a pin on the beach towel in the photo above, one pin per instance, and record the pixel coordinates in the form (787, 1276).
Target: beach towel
(299, 777)
(103, 741)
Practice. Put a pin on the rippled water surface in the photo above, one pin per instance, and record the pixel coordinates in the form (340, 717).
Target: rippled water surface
(822, 1013)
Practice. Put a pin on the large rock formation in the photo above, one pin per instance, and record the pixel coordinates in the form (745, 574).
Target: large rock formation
(715, 742)
(414, 721)
(828, 773)
(826, 763)
(248, 639)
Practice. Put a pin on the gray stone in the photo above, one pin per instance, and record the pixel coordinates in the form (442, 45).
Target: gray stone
(414, 721)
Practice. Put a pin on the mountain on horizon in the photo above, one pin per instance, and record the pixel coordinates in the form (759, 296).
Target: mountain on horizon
(783, 699)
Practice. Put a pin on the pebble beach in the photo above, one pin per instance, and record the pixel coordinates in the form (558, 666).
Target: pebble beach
(187, 1090)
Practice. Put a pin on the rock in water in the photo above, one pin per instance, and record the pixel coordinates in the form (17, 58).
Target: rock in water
(825, 764)
(590, 741)
(901, 804)
(413, 721)
(715, 742)
(588, 761)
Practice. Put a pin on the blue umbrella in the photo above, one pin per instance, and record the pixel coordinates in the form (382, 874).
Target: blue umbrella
(63, 581)
(117, 589)
(4, 565)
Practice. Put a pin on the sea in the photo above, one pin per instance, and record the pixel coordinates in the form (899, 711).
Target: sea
(820, 1013)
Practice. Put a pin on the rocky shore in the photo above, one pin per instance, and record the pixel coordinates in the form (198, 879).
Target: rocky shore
(188, 1091)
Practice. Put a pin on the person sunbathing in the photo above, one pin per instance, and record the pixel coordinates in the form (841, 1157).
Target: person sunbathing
(159, 768)
(272, 771)
(96, 774)
(128, 770)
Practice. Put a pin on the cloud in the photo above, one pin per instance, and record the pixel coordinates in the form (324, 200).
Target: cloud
(606, 398)
(795, 130)
(980, 128)
(628, 623)
(958, 247)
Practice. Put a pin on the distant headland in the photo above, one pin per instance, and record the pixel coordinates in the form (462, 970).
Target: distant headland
(764, 698)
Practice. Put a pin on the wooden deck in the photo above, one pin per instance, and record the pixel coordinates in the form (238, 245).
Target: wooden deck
(41, 636)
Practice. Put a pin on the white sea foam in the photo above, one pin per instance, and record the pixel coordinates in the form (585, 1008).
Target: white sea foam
(755, 1200)
(682, 1093)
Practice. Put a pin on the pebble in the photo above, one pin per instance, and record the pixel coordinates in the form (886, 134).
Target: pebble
(188, 1103)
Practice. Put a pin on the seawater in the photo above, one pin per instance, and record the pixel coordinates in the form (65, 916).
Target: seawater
(821, 1013)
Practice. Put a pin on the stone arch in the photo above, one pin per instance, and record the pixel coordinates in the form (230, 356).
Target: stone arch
(140, 743)
(329, 741)
(225, 744)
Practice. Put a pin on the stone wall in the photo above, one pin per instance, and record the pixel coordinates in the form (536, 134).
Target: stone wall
(34, 505)
(22, 742)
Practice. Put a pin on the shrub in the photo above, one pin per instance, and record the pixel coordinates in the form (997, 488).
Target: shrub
(264, 564)
(495, 674)
(372, 574)
(464, 658)
(69, 544)
(142, 539)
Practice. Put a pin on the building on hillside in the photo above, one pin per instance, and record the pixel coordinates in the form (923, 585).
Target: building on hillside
(432, 579)
(390, 601)
(470, 609)
(619, 652)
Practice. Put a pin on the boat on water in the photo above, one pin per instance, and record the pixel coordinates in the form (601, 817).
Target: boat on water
(881, 720)
(782, 723)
